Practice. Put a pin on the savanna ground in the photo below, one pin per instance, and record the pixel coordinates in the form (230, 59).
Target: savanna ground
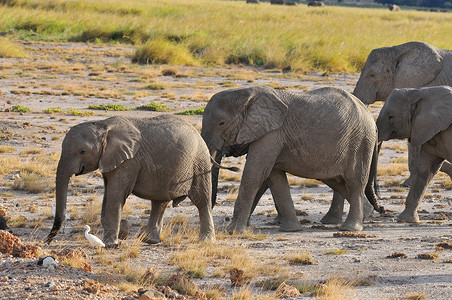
(51, 89)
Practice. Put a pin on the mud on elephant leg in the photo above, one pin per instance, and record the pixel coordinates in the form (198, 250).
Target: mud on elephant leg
(153, 229)
(280, 189)
(336, 211)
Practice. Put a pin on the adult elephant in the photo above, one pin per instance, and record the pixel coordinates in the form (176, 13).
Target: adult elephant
(424, 116)
(326, 134)
(410, 65)
(160, 159)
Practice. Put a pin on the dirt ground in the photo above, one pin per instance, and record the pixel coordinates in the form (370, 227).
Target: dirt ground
(73, 76)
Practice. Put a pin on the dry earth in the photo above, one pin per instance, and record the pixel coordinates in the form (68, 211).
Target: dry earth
(78, 75)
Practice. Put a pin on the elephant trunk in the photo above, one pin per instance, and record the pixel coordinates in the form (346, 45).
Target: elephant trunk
(371, 189)
(62, 182)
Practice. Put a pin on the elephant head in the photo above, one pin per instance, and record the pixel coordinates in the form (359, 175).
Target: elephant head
(416, 114)
(410, 65)
(241, 116)
(89, 146)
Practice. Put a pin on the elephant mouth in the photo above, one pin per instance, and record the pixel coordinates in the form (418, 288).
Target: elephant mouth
(82, 169)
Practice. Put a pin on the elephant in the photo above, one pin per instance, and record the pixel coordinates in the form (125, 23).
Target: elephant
(410, 65)
(316, 3)
(424, 117)
(299, 134)
(161, 159)
(277, 2)
(393, 7)
(253, 1)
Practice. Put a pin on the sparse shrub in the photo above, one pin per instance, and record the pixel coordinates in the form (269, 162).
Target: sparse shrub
(153, 106)
(155, 86)
(397, 255)
(10, 49)
(7, 149)
(163, 52)
(52, 110)
(115, 107)
(20, 108)
(72, 111)
(304, 258)
(32, 182)
(192, 112)
(336, 252)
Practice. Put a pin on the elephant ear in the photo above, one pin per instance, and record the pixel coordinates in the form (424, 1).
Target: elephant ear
(432, 115)
(121, 142)
(264, 112)
(417, 64)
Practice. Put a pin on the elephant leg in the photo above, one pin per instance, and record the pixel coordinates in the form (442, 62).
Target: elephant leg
(258, 197)
(110, 218)
(427, 168)
(413, 158)
(200, 196)
(447, 168)
(154, 227)
(280, 189)
(336, 211)
(354, 220)
(259, 163)
(368, 209)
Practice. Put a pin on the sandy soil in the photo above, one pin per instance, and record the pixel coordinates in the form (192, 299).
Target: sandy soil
(78, 75)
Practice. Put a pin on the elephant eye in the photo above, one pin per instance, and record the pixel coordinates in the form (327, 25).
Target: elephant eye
(82, 152)
(390, 118)
(221, 124)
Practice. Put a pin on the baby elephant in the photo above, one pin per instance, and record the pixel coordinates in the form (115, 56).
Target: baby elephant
(159, 159)
(424, 116)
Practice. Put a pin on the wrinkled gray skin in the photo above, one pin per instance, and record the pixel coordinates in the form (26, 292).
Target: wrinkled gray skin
(424, 116)
(159, 159)
(326, 134)
(410, 65)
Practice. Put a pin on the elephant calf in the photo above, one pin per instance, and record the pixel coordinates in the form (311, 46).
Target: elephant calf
(159, 159)
(424, 116)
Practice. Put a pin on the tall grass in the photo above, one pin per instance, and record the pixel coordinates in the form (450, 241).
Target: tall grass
(10, 49)
(336, 39)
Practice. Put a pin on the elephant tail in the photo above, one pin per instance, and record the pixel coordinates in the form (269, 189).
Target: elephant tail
(372, 189)
(214, 162)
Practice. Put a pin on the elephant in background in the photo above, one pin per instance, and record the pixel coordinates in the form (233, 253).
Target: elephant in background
(393, 7)
(159, 159)
(424, 117)
(316, 3)
(326, 134)
(410, 65)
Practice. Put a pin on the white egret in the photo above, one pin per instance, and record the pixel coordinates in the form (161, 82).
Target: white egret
(52, 212)
(92, 239)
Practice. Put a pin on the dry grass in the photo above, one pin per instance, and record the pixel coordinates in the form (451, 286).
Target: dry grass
(336, 289)
(7, 149)
(392, 169)
(300, 258)
(10, 49)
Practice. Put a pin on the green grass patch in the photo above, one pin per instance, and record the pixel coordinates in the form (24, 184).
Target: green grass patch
(336, 252)
(186, 32)
(153, 106)
(115, 107)
(192, 112)
(10, 49)
(20, 108)
(52, 110)
(72, 111)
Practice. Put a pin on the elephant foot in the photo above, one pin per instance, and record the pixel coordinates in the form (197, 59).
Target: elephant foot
(151, 236)
(407, 182)
(351, 224)
(207, 237)
(235, 227)
(331, 219)
(289, 227)
(111, 243)
(409, 217)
